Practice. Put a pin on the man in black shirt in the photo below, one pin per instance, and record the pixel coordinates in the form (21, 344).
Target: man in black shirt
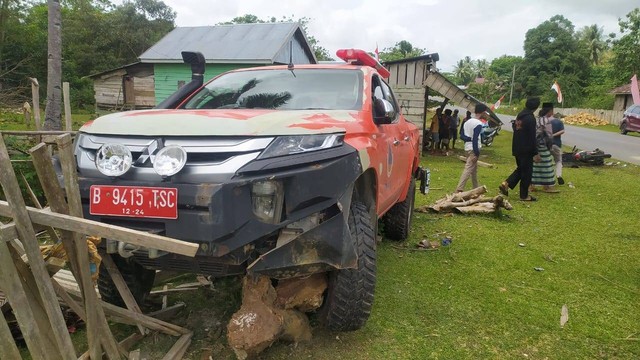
(523, 148)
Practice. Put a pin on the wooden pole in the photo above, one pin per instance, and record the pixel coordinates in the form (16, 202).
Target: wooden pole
(35, 94)
(27, 234)
(67, 106)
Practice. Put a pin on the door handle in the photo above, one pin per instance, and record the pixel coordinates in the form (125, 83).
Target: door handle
(396, 142)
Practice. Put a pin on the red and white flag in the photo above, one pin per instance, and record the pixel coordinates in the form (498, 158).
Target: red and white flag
(497, 104)
(556, 87)
(635, 93)
(377, 53)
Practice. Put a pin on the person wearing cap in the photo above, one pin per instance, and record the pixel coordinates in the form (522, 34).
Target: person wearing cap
(470, 134)
(524, 149)
(544, 170)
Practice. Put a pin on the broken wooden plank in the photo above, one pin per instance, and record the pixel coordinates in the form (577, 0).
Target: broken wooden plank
(122, 287)
(96, 228)
(27, 234)
(178, 349)
(15, 291)
(98, 331)
(8, 348)
(125, 344)
(168, 312)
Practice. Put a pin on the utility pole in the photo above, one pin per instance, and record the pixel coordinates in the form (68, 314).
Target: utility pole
(513, 75)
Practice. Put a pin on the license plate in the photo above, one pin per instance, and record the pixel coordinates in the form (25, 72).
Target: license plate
(134, 201)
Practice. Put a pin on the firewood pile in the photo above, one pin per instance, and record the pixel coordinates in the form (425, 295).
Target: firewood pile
(583, 118)
(468, 202)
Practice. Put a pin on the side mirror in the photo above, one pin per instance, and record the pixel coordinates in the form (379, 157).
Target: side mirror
(383, 111)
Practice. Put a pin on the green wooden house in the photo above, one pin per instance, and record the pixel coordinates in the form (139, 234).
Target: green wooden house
(225, 47)
(160, 71)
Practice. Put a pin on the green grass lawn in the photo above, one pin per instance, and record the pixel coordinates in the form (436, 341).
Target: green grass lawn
(480, 297)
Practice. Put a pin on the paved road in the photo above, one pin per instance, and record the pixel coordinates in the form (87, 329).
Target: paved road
(622, 147)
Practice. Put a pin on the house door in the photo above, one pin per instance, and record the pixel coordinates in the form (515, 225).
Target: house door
(129, 94)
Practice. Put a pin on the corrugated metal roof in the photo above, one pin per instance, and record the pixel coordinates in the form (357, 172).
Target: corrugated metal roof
(240, 43)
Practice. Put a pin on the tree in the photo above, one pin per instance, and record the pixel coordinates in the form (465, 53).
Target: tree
(53, 110)
(401, 50)
(626, 58)
(552, 53)
(481, 67)
(464, 70)
(592, 38)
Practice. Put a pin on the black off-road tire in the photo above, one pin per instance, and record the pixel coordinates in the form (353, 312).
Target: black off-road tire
(623, 128)
(138, 279)
(397, 221)
(349, 297)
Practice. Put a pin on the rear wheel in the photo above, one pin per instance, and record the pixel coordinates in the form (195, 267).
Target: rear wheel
(623, 128)
(350, 292)
(397, 221)
(138, 279)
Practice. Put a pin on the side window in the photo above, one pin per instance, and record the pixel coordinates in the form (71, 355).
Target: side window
(636, 110)
(382, 91)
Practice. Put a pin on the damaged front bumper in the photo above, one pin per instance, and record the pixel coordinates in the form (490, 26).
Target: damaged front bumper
(306, 232)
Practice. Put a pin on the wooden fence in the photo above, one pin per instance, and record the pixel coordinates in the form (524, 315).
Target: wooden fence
(27, 283)
(611, 116)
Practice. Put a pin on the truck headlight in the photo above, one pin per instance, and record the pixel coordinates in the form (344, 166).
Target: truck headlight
(295, 144)
(266, 200)
(170, 160)
(113, 159)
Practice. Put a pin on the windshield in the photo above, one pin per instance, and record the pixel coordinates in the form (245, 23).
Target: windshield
(300, 89)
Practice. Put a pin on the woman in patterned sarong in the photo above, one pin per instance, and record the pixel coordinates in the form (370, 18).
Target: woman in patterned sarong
(544, 171)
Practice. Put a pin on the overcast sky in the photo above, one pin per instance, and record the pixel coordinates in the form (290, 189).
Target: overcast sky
(453, 28)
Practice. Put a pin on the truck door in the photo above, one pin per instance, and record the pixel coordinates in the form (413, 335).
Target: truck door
(397, 150)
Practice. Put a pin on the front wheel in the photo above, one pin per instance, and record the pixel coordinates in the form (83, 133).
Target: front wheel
(623, 128)
(349, 297)
(138, 279)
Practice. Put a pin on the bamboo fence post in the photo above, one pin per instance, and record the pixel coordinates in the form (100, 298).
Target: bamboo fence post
(67, 106)
(68, 164)
(28, 236)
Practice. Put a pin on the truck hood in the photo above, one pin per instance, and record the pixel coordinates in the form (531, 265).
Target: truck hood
(237, 122)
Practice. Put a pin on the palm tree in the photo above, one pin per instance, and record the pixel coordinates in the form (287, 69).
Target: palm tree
(592, 37)
(481, 67)
(464, 70)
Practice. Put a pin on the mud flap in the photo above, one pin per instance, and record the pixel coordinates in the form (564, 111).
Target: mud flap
(424, 175)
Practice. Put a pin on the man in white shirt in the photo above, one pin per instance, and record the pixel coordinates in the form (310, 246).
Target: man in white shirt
(470, 134)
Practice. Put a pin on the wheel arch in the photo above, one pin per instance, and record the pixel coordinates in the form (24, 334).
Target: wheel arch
(365, 190)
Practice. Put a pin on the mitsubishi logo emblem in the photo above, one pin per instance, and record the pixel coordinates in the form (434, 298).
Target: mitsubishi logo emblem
(149, 152)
